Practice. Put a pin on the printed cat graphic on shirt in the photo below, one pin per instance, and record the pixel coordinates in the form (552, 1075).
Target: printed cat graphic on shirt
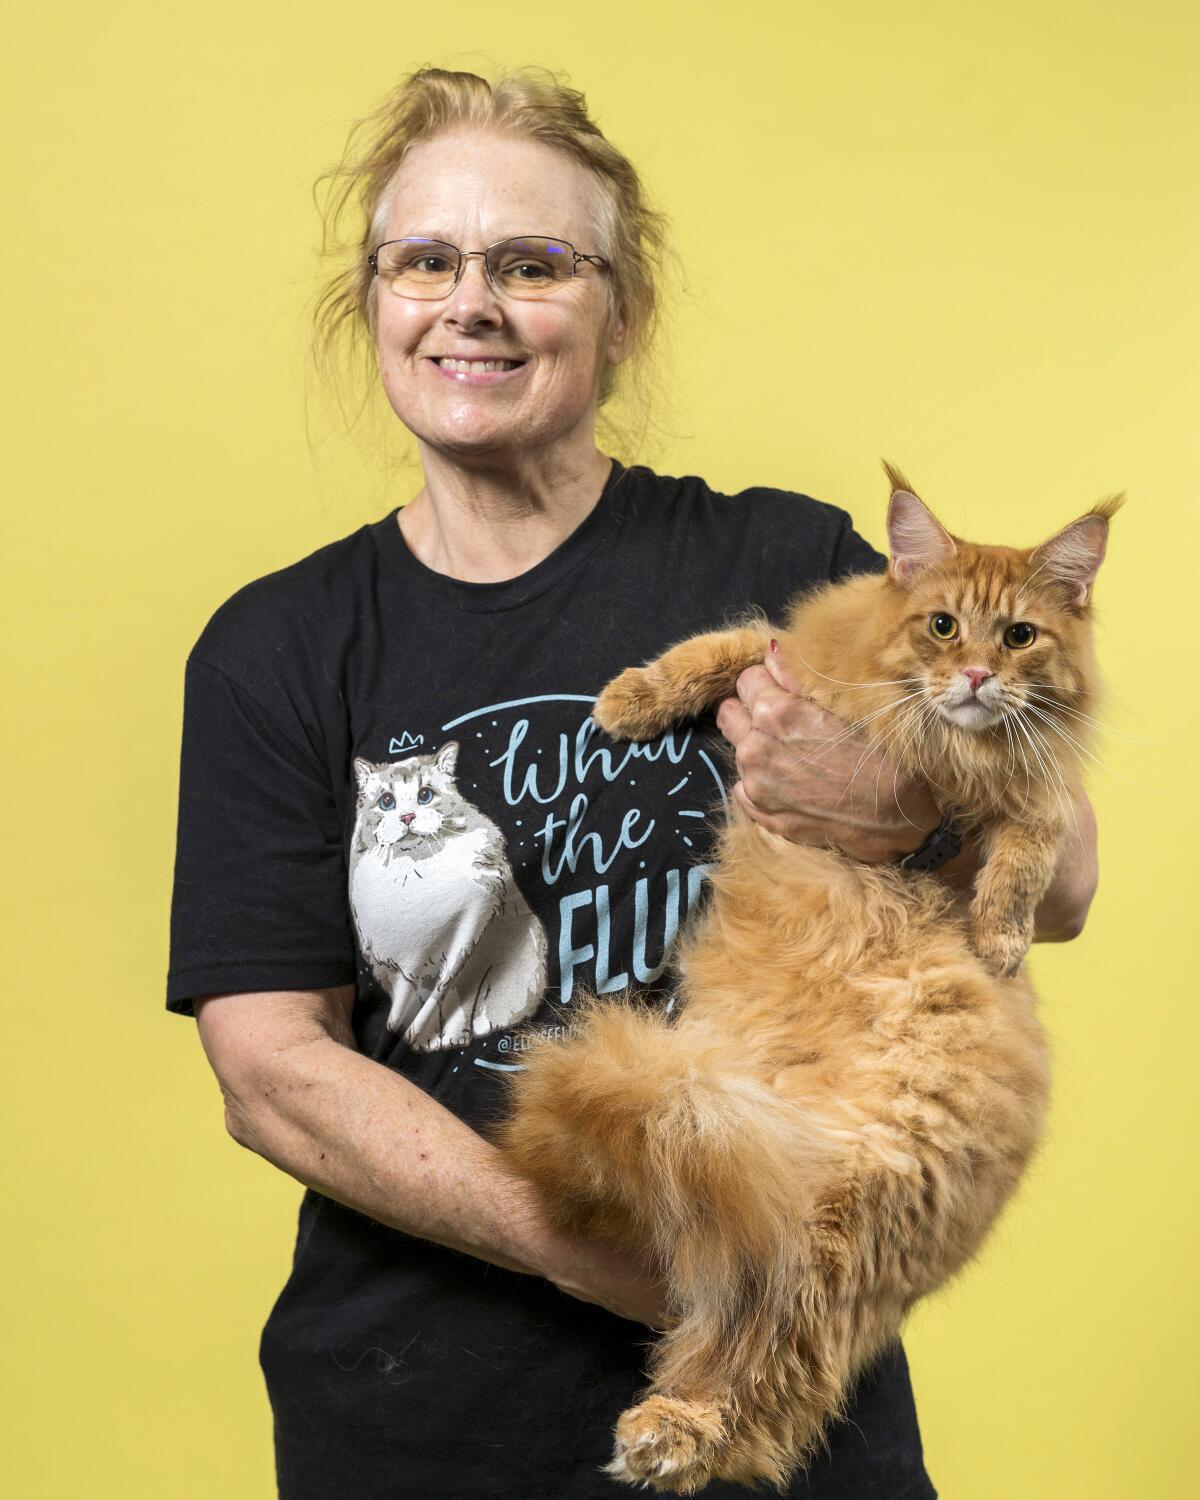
(439, 915)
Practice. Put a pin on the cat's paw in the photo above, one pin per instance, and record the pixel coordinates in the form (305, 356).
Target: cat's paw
(1001, 949)
(632, 706)
(668, 1444)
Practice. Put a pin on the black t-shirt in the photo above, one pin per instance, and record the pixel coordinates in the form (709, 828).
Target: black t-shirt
(390, 777)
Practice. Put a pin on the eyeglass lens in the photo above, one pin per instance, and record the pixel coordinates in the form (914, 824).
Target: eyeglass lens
(529, 267)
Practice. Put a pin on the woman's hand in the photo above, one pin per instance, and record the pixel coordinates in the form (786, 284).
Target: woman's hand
(611, 1278)
(806, 778)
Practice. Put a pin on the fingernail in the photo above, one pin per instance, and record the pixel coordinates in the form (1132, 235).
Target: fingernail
(774, 645)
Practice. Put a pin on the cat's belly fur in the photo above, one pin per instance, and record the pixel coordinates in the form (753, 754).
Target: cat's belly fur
(451, 939)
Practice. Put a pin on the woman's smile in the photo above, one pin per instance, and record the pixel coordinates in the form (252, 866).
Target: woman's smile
(476, 372)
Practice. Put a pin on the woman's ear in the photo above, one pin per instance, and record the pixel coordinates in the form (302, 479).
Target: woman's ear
(620, 339)
(916, 538)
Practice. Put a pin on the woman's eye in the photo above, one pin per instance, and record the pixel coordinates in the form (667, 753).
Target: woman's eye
(527, 270)
(1020, 635)
(387, 802)
(945, 627)
(425, 795)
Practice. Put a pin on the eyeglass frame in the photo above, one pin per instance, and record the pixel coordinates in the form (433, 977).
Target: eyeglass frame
(465, 255)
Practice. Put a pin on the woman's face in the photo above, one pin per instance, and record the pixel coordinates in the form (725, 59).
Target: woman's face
(472, 189)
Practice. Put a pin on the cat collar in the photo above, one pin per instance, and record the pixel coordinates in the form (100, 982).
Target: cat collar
(938, 849)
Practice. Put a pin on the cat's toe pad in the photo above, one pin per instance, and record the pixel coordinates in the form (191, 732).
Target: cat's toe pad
(668, 1444)
(630, 707)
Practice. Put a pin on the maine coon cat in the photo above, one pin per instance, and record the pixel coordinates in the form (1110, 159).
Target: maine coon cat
(853, 1078)
(439, 915)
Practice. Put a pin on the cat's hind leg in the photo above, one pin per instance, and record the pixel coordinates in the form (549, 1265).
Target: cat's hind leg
(680, 684)
(745, 1385)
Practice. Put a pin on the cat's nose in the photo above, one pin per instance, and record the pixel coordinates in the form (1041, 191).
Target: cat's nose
(407, 817)
(976, 676)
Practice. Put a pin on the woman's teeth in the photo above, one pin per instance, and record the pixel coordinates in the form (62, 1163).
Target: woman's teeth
(478, 366)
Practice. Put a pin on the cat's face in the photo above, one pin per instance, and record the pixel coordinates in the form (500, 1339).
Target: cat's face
(408, 803)
(990, 632)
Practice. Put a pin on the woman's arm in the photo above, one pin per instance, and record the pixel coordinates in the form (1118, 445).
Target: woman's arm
(802, 779)
(299, 1094)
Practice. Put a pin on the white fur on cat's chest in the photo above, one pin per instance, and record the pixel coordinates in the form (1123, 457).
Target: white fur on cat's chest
(405, 907)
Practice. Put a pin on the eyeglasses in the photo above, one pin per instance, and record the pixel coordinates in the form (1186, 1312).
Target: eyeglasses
(529, 266)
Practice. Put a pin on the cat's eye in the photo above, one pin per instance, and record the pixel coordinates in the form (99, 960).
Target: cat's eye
(945, 627)
(1020, 635)
(425, 795)
(387, 802)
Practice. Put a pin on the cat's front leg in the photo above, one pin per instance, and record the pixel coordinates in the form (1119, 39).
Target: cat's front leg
(1020, 860)
(680, 684)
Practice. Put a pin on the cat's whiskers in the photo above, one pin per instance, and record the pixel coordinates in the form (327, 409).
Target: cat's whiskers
(1019, 721)
(1026, 768)
(1050, 763)
(1066, 797)
(876, 744)
(907, 735)
(882, 745)
(1085, 752)
(934, 722)
(998, 800)
(1013, 746)
(1082, 749)
(1098, 724)
(889, 682)
(905, 728)
(909, 729)
(853, 728)
(923, 716)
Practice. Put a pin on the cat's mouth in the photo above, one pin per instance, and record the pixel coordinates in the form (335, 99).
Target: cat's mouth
(972, 714)
(402, 840)
(967, 707)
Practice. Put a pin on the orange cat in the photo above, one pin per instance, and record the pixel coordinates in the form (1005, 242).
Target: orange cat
(854, 1078)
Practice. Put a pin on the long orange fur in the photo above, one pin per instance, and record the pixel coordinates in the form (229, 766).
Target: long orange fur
(854, 1078)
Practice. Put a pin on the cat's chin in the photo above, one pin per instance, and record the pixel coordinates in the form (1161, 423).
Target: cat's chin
(408, 840)
(972, 716)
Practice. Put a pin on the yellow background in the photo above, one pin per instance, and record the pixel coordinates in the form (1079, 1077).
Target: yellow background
(982, 230)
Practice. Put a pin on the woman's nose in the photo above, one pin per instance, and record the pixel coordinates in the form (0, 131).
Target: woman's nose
(473, 301)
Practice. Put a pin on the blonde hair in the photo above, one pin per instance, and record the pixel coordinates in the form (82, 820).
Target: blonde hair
(530, 102)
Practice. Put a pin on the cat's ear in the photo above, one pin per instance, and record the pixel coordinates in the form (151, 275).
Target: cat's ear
(363, 769)
(1071, 558)
(916, 538)
(447, 758)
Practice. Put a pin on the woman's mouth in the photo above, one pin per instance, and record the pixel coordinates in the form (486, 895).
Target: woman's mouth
(477, 371)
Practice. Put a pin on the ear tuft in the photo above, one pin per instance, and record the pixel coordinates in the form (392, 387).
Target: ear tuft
(447, 757)
(1109, 507)
(895, 478)
(916, 537)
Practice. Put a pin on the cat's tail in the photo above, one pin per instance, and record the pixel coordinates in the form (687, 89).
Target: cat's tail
(647, 1123)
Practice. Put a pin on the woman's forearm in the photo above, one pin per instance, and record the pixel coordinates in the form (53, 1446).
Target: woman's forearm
(361, 1133)
(356, 1131)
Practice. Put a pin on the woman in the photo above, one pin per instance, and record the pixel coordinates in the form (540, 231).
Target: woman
(400, 831)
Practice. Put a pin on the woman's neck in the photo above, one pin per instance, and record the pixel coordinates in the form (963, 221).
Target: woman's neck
(486, 523)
